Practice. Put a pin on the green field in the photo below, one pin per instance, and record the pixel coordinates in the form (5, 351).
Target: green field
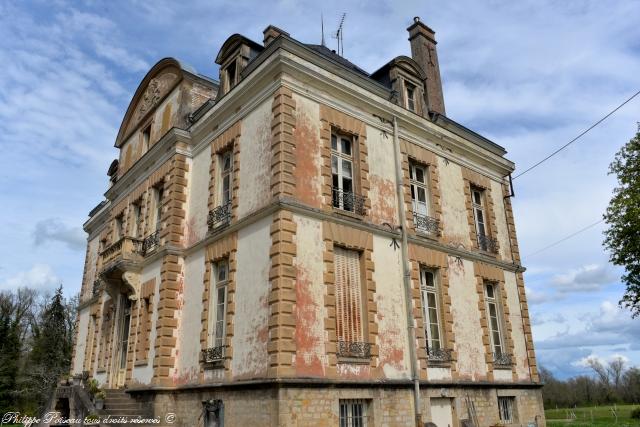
(592, 416)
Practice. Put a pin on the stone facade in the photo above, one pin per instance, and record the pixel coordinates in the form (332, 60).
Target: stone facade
(248, 262)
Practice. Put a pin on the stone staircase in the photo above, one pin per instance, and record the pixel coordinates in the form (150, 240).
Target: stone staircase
(118, 403)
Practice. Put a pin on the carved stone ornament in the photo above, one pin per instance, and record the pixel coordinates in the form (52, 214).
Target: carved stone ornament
(132, 283)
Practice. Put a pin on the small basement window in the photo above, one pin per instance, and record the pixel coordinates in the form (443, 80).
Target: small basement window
(506, 406)
(353, 413)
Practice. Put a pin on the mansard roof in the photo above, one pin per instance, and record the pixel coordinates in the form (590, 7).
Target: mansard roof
(163, 77)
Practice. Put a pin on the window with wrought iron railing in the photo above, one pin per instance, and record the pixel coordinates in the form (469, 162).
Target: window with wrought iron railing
(344, 195)
(354, 412)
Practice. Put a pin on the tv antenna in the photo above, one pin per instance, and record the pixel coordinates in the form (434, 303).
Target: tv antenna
(339, 35)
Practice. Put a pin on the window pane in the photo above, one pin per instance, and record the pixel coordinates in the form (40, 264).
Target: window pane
(419, 175)
(334, 142)
(334, 164)
(346, 168)
(422, 195)
(477, 198)
(489, 289)
(347, 185)
(346, 146)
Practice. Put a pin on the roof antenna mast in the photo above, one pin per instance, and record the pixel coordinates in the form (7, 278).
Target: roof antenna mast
(338, 35)
(322, 28)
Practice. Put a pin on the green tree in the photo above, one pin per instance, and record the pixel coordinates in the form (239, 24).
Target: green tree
(622, 238)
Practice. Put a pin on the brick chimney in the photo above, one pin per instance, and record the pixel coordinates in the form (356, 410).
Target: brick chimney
(423, 51)
(271, 33)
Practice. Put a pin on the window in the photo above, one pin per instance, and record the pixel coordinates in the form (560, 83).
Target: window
(231, 75)
(491, 294)
(135, 218)
(146, 137)
(506, 406)
(411, 93)
(342, 171)
(159, 193)
(353, 413)
(348, 301)
(420, 197)
(477, 199)
(431, 308)
(219, 303)
(226, 169)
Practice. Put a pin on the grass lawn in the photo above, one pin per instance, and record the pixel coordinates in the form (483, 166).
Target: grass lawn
(592, 416)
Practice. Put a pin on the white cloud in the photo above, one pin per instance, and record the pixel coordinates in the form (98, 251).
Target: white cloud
(53, 229)
(588, 278)
(40, 277)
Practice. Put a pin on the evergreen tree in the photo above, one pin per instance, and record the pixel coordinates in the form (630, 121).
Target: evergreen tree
(622, 238)
(9, 353)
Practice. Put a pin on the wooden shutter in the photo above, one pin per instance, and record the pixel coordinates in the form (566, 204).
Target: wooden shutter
(348, 295)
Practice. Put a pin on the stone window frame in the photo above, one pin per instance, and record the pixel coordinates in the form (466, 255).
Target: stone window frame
(225, 247)
(489, 273)
(332, 120)
(471, 180)
(414, 153)
(227, 140)
(436, 289)
(422, 257)
(348, 237)
(214, 303)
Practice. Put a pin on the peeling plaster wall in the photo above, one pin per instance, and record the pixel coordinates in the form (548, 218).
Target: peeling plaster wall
(81, 343)
(255, 160)
(517, 328)
(310, 335)
(197, 211)
(251, 325)
(188, 364)
(454, 210)
(144, 374)
(435, 374)
(308, 159)
(471, 363)
(382, 179)
(391, 318)
(501, 221)
(92, 266)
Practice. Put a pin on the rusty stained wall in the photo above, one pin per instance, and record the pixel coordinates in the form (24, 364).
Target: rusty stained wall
(308, 188)
(310, 335)
(188, 343)
(251, 328)
(517, 333)
(163, 119)
(255, 160)
(393, 341)
(197, 202)
(454, 210)
(81, 343)
(471, 363)
(142, 374)
(382, 178)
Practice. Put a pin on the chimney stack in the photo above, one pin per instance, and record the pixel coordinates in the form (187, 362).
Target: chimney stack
(423, 51)
(271, 33)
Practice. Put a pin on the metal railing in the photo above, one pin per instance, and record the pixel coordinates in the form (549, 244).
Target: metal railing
(426, 224)
(219, 216)
(502, 359)
(151, 242)
(439, 355)
(359, 350)
(487, 243)
(213, 354)
(348, 201)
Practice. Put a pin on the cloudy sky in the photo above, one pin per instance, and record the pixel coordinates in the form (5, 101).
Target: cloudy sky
(530, 75)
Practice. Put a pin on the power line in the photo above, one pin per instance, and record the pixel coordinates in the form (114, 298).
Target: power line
(565, 238)
(579, 136)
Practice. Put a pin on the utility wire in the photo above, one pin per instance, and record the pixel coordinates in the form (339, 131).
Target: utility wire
(563, 239)
(579, 136)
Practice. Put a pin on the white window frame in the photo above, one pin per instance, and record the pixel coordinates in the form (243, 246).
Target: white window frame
(226, 175)
(417, 185)
(494, 322)
(506, 409)
(353, 412)
(340, 158)
(217, 308)
(431, 289)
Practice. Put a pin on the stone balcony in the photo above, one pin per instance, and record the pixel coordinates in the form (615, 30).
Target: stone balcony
(126, 249)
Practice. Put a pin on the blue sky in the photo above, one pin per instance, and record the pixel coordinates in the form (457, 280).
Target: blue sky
(529, 75)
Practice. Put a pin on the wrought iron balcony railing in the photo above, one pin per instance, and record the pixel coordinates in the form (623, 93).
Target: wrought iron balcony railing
(219, 216)
(358, 350)
(125, 249)
(151, 242)
(348, 201)
(439, 355)
(426, 224)
(487, 243)
(502, 359)
(213, 354)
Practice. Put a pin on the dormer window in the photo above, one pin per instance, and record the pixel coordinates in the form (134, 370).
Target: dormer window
(411, 96)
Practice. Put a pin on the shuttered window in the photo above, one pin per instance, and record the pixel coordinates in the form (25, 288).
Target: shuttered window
(348, 295)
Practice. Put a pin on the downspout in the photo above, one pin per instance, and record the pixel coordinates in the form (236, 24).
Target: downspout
(406, 270)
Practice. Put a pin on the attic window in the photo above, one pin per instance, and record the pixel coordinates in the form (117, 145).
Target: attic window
(231, 75)
(411, 92)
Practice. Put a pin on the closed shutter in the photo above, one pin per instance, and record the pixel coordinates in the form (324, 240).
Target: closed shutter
(348, 295)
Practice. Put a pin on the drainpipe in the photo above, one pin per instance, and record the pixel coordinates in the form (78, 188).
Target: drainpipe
(406, 270)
